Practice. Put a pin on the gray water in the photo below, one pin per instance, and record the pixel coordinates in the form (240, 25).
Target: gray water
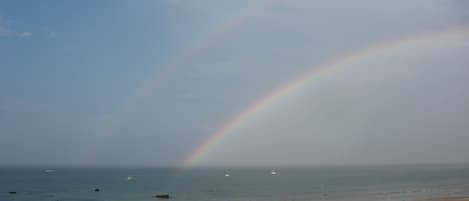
(243, 184)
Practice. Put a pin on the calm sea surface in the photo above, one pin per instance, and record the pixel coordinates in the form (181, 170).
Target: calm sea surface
(242, 184)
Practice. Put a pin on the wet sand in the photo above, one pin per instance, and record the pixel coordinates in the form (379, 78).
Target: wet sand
(454, 198)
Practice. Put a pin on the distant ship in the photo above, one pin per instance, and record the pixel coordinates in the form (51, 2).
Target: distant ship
(49, 171)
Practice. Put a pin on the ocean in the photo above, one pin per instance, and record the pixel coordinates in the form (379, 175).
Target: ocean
(361, 183)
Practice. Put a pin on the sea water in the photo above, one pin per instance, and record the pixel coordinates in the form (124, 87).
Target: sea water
(350, 183)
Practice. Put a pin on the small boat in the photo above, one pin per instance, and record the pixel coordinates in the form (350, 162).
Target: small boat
(129, 178)
(162, 196)
(227, 175)
(49, 171)
(273, 173)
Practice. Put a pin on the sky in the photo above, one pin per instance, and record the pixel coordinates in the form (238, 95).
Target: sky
(131, 83)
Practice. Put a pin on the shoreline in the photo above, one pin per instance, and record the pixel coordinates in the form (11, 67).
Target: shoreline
(447, 198)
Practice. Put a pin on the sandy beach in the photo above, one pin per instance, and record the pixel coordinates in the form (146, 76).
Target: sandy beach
(455, 198)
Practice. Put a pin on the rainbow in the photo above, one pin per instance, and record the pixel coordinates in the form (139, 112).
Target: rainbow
(109, 124)
(304, 79)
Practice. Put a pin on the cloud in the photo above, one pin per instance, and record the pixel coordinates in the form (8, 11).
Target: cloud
(7, 31)
(24, 34)
(51, 35)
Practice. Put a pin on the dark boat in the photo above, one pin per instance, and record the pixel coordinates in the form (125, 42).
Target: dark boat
(162, 196)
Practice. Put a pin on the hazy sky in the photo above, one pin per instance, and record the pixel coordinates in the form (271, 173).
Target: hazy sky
(145, 82)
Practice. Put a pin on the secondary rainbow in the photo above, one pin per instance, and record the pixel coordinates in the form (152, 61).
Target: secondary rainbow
(304, 79)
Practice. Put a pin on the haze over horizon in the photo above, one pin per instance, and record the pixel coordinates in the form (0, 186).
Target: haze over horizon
(144, 83)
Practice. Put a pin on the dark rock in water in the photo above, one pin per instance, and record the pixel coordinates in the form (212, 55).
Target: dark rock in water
(96, 190)
(12, 192)
(162, 196)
